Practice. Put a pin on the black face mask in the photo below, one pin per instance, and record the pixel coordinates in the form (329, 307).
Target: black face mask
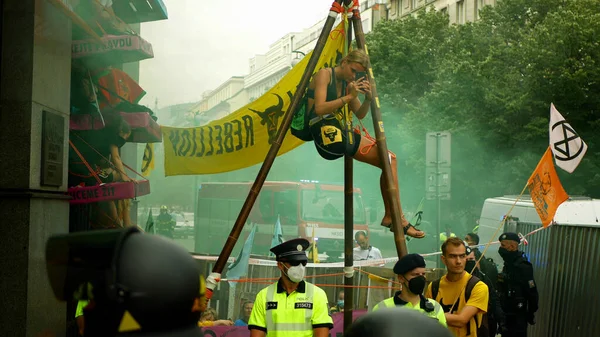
(416, 285)
(507, 254)
(469, 265)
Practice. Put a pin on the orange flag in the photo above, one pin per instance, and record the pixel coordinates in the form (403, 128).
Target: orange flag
(546, 191)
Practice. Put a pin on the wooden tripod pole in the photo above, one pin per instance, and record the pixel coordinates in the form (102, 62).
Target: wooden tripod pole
(213, 279)
(348, 207)
(391, 190)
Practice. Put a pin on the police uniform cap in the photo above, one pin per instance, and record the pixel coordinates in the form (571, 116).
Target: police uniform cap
(292, 250)
(408, 262)
(510, 236)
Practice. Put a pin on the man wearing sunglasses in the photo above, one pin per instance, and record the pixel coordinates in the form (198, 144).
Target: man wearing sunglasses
(291, 307)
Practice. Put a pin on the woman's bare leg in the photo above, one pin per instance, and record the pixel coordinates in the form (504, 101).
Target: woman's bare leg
(372, 157)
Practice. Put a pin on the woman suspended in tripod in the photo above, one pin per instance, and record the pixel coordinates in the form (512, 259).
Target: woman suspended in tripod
(325, 102)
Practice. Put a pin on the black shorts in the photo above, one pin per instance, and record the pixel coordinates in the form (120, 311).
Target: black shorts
(331, 141)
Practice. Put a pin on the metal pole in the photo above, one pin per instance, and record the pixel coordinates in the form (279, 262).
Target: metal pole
(437, 194)
(348, 212)
(270, 158)
(392, 191)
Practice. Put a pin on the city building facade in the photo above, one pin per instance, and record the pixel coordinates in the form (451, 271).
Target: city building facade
(38, 50)
(265, 70)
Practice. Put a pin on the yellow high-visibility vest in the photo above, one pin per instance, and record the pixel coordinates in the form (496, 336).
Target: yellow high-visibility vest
(294, 315)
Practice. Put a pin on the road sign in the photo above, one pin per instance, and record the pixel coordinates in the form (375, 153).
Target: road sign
(437, 148)
(437, 165)
(431, 183)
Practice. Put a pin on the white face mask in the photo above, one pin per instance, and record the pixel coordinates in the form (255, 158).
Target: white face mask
(296, 273)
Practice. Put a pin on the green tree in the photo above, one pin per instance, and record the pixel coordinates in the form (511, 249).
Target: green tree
(490, 83)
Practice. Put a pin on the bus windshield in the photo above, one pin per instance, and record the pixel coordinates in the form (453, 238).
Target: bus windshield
(328, 207)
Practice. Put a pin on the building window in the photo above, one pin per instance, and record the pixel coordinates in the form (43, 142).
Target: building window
(413, 4)
(366, 24)
(460, 12)
(444, 10)
(479, 4)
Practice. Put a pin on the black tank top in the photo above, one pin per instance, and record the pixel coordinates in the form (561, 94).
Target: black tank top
(331, 90)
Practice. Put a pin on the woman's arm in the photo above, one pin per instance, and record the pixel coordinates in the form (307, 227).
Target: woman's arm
(322, 107)
(363, 86)
(116, 160)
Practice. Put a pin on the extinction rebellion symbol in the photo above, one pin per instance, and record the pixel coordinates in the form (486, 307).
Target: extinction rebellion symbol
(569, 140)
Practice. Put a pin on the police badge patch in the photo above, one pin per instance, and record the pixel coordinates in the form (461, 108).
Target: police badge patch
(531, 284)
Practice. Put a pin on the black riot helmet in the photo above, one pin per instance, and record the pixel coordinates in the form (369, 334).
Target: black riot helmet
(138, 284)
(397, 321)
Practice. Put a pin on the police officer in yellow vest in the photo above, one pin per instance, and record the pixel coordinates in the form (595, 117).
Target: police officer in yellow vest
(411, 274)
(291, 307)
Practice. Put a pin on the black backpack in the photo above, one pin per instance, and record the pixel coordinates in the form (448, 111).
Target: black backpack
(482, 330)
(300, 122)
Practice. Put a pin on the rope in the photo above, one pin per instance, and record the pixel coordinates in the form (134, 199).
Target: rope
(336, 7)
(367, 148)
(377, 276)
(355, 8)
(109, 162)
(85, 162)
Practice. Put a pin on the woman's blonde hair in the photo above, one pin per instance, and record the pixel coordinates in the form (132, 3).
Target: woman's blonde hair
(209, 312)
(357, 56)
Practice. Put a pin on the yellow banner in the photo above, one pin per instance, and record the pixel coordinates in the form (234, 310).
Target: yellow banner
(242, 138)
(148, 159)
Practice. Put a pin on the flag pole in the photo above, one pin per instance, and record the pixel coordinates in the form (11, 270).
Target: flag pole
(382, 148)
(213, 279)
(348, 202)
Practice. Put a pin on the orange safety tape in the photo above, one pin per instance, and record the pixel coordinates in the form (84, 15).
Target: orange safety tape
(260, 279)
(323, 285)
(353, 286)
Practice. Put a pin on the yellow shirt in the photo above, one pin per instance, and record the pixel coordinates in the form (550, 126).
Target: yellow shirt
(448, 294)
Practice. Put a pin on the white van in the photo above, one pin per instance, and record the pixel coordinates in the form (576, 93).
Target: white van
(575, 211)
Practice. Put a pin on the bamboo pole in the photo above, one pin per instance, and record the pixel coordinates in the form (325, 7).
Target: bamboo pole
(213, 279)
(348, 207)
(392, 191)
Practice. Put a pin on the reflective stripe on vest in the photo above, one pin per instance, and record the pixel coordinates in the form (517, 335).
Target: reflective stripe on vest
(437, 308)
(305, 326)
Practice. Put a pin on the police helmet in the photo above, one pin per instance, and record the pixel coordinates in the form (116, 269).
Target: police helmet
(139, 284)
(391, 322)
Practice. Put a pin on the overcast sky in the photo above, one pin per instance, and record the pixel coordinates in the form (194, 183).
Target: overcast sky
(204, 42)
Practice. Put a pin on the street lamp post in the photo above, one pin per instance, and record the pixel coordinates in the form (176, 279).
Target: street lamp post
(297, 59)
